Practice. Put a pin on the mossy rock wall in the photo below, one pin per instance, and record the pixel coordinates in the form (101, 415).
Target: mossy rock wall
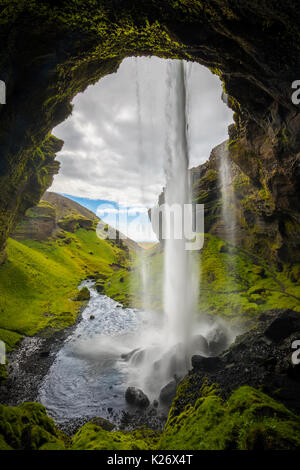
(262, 227)
(248, 420)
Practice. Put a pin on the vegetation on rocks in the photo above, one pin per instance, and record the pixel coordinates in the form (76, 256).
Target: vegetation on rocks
(92, 437)
(27, 427)
(83, 294)
(234, 283)
(248, 420)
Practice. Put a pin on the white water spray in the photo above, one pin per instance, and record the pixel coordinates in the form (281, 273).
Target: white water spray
(228, 198)
(180, 292)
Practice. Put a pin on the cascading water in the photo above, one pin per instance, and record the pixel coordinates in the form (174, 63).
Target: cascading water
(141, 158)
(228, 198)
(180, 289)
(168, 353)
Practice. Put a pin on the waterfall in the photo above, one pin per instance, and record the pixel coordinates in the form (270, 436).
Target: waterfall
(141, 158)
(180, 295)
(166, 344)
(228, 198)
(162, 349)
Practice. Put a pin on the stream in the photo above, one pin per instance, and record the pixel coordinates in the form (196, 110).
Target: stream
(88, 377)
(110, 349)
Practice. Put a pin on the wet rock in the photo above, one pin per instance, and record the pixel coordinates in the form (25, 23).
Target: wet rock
(168, 392)
(199, 344)
(206, 364)
(135, 396)
(254, 360)
(128, 356)
(218, 340)
(137, 356)
(283, 325)
(103, 423)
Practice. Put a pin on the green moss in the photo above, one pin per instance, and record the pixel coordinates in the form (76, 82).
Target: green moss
(294, 273)
(83, 294)
(233, 282)
(28, 427)
(202, 196)
(92, 437)
(210, 175)
(10, 338)
(39, 280)
(73, 222)
(248, 420)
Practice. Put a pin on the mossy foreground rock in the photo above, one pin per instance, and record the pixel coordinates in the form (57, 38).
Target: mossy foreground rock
(92, 437)
(27, 427)
(249, 420)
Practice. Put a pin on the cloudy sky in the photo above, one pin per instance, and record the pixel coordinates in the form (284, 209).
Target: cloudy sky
(114, 140)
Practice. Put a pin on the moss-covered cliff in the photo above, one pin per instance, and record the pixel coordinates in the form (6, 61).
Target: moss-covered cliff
(52, 50)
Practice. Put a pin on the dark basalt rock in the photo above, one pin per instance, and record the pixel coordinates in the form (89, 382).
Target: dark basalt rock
(44, 353)
(218, 340)
(199, 344)
(261, 358)
(206, 364)
(135, 396)
(168, 392)
(283, 325)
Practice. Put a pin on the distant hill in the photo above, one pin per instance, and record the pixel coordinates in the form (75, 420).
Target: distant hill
(65, 206)
(56, 214)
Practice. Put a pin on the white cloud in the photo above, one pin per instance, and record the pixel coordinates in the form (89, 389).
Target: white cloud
(109, 155)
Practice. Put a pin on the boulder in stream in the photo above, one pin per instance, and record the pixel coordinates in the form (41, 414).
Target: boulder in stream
(83, 294)
(135, 396)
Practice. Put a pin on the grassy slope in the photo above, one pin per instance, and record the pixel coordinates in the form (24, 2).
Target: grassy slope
(40, 279)
(233, 282)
